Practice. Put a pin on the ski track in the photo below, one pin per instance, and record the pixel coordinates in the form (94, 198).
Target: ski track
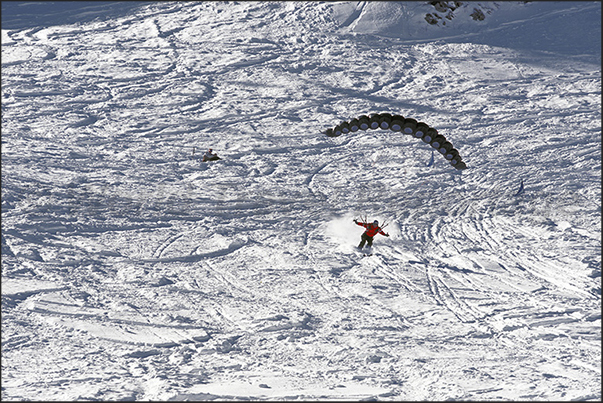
(144, 274)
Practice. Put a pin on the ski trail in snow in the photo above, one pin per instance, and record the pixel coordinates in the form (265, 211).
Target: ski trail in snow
(154, 276)
(445, 296)
(159, 251)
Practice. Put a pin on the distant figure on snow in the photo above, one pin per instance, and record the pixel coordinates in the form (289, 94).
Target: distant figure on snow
(372, 229)
(210, 156)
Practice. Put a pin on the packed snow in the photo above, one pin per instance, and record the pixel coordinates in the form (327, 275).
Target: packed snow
(132, 270)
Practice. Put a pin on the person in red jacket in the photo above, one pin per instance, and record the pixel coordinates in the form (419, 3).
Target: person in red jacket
(372, 229)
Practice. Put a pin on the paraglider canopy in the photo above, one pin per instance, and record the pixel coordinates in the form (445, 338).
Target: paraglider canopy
(408, 126)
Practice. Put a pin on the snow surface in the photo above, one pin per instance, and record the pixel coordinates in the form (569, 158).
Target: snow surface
(133, 271)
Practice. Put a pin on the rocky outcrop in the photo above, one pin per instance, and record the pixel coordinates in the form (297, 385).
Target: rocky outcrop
(445, 10)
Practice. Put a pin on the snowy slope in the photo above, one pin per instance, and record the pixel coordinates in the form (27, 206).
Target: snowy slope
(131, 270)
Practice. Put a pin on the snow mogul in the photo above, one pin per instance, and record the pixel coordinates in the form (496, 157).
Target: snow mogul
(372, 229)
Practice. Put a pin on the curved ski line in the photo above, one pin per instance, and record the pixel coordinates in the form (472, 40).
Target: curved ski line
(198, 257)
(161, 248)
(451, 303)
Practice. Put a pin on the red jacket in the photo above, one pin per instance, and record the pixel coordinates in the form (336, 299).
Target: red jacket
(371, 229)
